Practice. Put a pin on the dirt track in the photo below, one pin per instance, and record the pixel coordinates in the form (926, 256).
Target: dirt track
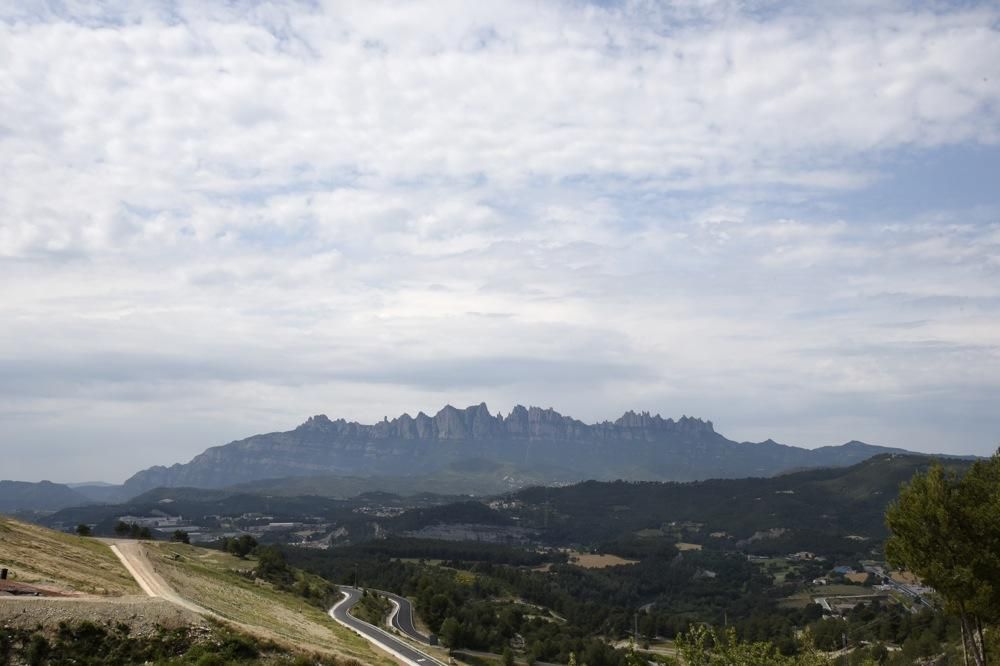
(183, 587)
(160, 606)
(133, 557)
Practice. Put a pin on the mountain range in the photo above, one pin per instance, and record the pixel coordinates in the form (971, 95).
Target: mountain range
(41, 496)
(637, 446)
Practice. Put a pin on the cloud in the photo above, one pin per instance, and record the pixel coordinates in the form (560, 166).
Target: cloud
(238, 214)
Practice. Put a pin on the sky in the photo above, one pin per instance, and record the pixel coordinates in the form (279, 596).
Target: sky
(217, 219)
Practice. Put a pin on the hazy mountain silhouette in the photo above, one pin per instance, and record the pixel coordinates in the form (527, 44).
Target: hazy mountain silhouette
(635, 446)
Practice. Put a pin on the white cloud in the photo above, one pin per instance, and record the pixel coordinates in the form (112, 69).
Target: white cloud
(240, 215)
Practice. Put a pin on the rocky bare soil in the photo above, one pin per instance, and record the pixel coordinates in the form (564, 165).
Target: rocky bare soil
(141, 614)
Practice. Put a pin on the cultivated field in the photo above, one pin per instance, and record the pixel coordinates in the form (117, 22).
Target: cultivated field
(594, 561)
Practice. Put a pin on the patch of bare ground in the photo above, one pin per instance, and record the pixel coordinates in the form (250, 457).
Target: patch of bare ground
(10, 588)
(904, 577)
(61, 562)
(595, 561)
(142, 614)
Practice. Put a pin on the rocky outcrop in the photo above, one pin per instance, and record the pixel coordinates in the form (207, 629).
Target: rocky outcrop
(635, 446)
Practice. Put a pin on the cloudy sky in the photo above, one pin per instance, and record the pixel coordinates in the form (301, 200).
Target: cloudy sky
(217, 219)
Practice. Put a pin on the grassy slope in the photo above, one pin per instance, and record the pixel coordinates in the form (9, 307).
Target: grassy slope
(210, 579)
(66, 562)
(43, 557)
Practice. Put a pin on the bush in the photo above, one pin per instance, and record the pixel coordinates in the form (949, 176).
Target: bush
(38, 650)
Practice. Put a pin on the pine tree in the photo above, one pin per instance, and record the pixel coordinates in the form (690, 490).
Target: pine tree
(946, 530)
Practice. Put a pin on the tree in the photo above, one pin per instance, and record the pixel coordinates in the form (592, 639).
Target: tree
(271, 564)
(508, 657)
(83, 530)
(451, 632)
(122, 528)
(181, 536)
(633, 658)
(828, 633)
(946, 530)
(702, 646)
(240, 546)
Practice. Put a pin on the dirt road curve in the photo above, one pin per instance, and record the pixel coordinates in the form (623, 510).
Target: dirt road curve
(287, 627)
(133, 557)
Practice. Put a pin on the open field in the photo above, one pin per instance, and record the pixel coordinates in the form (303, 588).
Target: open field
(211, 579)
(905, 577)
(779, 567)
(682, 546)
(61, 562)
(594, 561)
(806, 596)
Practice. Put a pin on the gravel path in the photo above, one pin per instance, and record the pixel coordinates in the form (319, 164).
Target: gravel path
(133, 557)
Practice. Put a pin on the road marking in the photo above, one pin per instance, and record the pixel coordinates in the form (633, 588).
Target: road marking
(373, 640)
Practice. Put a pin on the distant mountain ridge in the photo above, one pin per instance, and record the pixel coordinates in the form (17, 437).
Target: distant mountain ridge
(637, 446)
(41, 496)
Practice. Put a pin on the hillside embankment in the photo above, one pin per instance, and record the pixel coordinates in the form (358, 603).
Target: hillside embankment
(150, 586)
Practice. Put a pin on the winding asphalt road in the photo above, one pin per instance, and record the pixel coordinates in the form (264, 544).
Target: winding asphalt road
(383, 639)
(401, 618)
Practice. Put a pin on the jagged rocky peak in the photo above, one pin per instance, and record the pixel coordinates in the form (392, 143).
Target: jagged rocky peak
(683, 449)
(692, 424)
(477, 423)
(450, 423)
(516, 422)
(318, 421)
(482, 423)
(474, 422)
(647, 421)
(641, 420)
